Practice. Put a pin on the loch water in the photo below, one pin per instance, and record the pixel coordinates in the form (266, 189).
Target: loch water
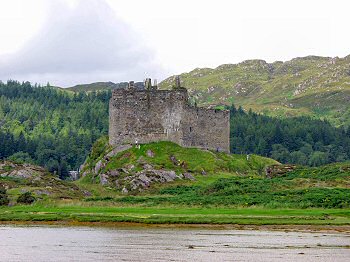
(56, 243)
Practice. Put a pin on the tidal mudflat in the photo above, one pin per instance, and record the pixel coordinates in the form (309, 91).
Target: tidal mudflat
(56, 243)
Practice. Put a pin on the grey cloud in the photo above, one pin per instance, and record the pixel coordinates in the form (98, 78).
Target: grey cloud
(81, 44)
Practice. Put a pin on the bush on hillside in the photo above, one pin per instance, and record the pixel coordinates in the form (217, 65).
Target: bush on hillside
(26, 198)
(4, 200)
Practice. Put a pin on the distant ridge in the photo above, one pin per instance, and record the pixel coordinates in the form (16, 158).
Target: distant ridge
(98, 86)
(312, 85)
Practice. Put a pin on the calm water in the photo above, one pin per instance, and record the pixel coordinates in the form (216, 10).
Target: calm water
(44, 243)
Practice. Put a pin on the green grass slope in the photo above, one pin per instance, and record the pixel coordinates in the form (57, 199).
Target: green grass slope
(317, 86)
(232, 190)
(220, 180)
(325, 187)
(191, 160)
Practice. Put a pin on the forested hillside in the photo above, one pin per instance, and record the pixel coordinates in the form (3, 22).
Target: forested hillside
(298, 140)
(48, 126)
(56, 129)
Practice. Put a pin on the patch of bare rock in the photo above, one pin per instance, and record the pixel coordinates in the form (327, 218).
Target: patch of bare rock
(139, 176)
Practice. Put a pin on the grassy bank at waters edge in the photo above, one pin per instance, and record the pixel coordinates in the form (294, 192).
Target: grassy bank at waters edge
(177, 215)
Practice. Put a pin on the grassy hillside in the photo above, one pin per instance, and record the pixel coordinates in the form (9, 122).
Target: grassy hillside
(193, 160)
(228, 180)
(157, 159)
(232, 190)
(316, 86)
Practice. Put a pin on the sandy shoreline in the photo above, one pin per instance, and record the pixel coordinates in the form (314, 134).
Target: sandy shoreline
(286, 228)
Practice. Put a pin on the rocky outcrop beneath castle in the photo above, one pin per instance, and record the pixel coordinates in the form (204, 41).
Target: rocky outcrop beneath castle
(158, 165)
(136, 177)
(131, 179)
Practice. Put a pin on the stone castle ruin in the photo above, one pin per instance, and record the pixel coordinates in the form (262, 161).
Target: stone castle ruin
(138, 116)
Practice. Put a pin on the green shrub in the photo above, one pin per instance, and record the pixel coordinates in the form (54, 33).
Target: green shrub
(4, 200)
(26, 198)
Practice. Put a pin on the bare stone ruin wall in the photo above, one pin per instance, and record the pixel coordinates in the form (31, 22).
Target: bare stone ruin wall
(143, 116)
(206, 128)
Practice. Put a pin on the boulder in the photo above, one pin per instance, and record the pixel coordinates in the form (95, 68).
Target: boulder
(278, 170)
(130, 167)
(114, 173)
(42, 192)
(147, 167)
(174, 160)
(98, 166)
(103, 179)
(165, 175)
(21, 173)
(189, 176)
(150, 153)
(145, 178)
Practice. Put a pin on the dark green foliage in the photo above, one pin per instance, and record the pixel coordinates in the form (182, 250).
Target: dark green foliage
(51, 127)
(4, 200)
(26, 198)
(321, 187)
(21, 157)
(298, 140)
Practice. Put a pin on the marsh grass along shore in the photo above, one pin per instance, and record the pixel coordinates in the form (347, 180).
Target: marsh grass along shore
(104, 215)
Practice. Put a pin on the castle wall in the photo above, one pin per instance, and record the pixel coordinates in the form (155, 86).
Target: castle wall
(206, 128)
(143, 116)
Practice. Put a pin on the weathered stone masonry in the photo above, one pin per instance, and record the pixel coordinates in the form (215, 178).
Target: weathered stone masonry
(149, 115)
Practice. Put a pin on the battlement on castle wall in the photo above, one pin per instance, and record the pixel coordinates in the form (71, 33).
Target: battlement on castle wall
(149, 115)
(123, 96)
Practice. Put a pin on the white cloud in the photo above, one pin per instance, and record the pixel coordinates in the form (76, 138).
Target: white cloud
(81, 43)
(84, 41)
(200, 33)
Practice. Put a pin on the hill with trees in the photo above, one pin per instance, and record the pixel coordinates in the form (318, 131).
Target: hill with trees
(48, 126)
(56, 128)
(296, 140)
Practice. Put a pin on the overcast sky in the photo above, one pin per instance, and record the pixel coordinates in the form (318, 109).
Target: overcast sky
(81, 41)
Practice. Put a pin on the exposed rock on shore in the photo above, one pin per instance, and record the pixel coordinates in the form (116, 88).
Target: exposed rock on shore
(35, 179)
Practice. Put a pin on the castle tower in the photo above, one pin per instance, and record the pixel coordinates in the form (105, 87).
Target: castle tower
(150, 115)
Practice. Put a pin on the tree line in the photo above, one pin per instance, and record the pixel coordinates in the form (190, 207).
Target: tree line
(297, 140)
